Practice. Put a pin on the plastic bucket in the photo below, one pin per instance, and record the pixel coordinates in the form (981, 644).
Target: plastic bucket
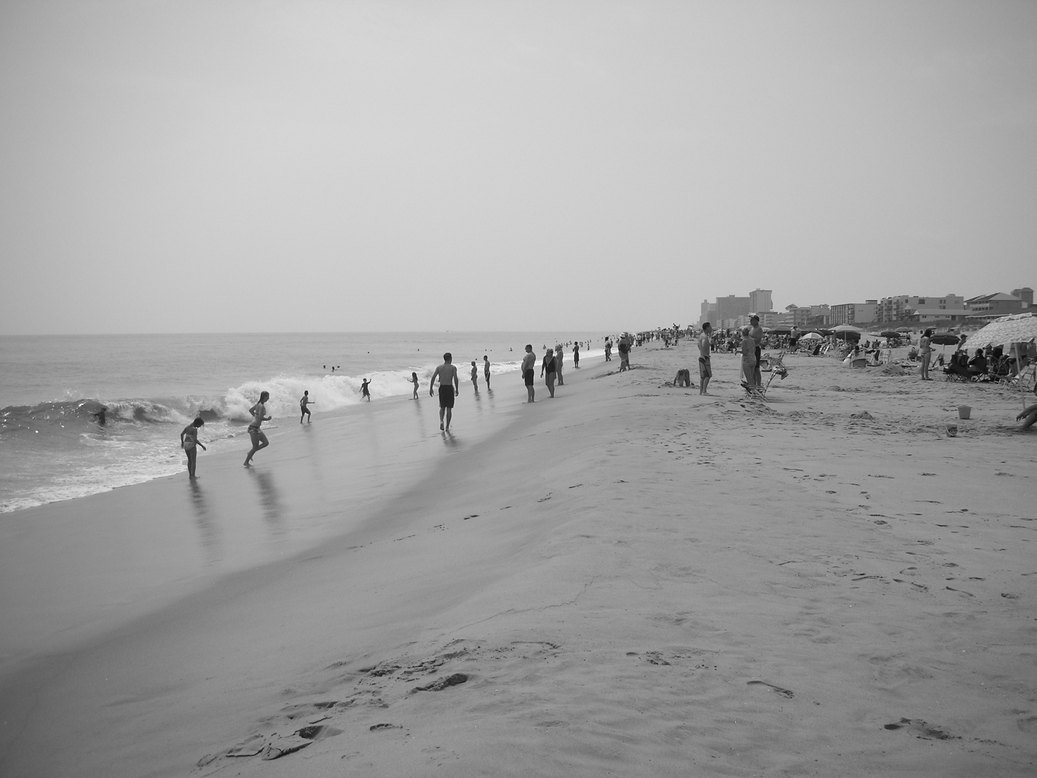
(952, 430)
(964, 411)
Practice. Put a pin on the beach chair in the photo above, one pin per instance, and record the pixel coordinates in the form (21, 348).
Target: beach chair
(777, 369)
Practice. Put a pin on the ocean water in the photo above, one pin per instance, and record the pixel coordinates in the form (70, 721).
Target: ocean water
(53, 445)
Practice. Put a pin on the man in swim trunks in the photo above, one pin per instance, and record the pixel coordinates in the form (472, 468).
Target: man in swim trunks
(705, 369)
(528, 372)
(449, 388)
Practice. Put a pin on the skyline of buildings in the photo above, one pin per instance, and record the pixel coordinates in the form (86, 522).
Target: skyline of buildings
(733, 311)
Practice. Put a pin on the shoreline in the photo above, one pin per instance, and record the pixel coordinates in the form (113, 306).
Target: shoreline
(635, 580)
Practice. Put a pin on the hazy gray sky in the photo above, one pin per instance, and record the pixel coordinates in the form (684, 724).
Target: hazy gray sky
(305, 165)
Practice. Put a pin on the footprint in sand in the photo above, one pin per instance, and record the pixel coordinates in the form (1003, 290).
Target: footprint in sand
(921, 729)
(777, 689)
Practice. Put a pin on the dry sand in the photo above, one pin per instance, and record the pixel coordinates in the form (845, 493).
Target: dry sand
(627, 580)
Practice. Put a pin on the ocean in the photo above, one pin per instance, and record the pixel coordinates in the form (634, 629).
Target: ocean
(54, 445)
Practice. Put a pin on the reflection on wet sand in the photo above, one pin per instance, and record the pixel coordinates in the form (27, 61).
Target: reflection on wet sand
(269, 500)
(210, 533)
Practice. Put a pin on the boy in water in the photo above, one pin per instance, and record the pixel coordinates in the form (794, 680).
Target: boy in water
(449, 388)
(189, 443)
(303, 403)
(364, 391)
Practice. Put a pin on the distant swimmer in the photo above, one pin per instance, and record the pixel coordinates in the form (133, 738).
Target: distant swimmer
(449, 388)
(101, 416)
(529, 372)
(364, 390)
(303, 403)
(189, 443)
(258, 437)
(486, 369)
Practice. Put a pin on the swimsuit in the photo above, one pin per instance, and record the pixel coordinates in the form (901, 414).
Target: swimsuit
(446, 396)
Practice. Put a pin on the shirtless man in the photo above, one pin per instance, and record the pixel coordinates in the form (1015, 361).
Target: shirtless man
(705, 369)
(528, 372)
(486, 369)
(449, 388)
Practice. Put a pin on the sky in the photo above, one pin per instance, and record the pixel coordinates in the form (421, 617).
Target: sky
(543, 165)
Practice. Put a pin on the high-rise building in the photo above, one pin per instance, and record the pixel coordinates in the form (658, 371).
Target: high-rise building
(729, 309)
(760, 301)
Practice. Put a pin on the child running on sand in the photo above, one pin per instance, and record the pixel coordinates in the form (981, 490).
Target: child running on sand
(258, 437)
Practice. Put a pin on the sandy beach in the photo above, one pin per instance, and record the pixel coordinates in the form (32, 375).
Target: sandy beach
(627, 580)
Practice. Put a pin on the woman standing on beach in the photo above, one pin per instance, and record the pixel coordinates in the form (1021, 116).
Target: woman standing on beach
(258, 437)
(925, 350)
(547, 370)
(190, 443)
(748, 359)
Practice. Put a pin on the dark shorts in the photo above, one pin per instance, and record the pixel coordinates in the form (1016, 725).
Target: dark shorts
(446, 396)
(705, 369)
(527, 376)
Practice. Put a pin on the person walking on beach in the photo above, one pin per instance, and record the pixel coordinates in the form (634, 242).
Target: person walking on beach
(925, 351)
(257, 436)
(528, 363)
(608, 350)
(625, 341)
(189, 443)
(475, 377)
(547, 370)
(559, 358)
(705, 368)
(364, 390)
(576, 355)
(414, 380)
(449, 388)
(304, 403)
(486, 369)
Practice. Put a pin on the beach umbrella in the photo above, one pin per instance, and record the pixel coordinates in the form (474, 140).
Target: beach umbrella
(1019, 328)
(781, 331)
(890, 333)
(810, 336)
(944, 339)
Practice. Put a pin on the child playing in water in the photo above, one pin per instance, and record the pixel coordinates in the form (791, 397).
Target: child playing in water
(189, 443)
